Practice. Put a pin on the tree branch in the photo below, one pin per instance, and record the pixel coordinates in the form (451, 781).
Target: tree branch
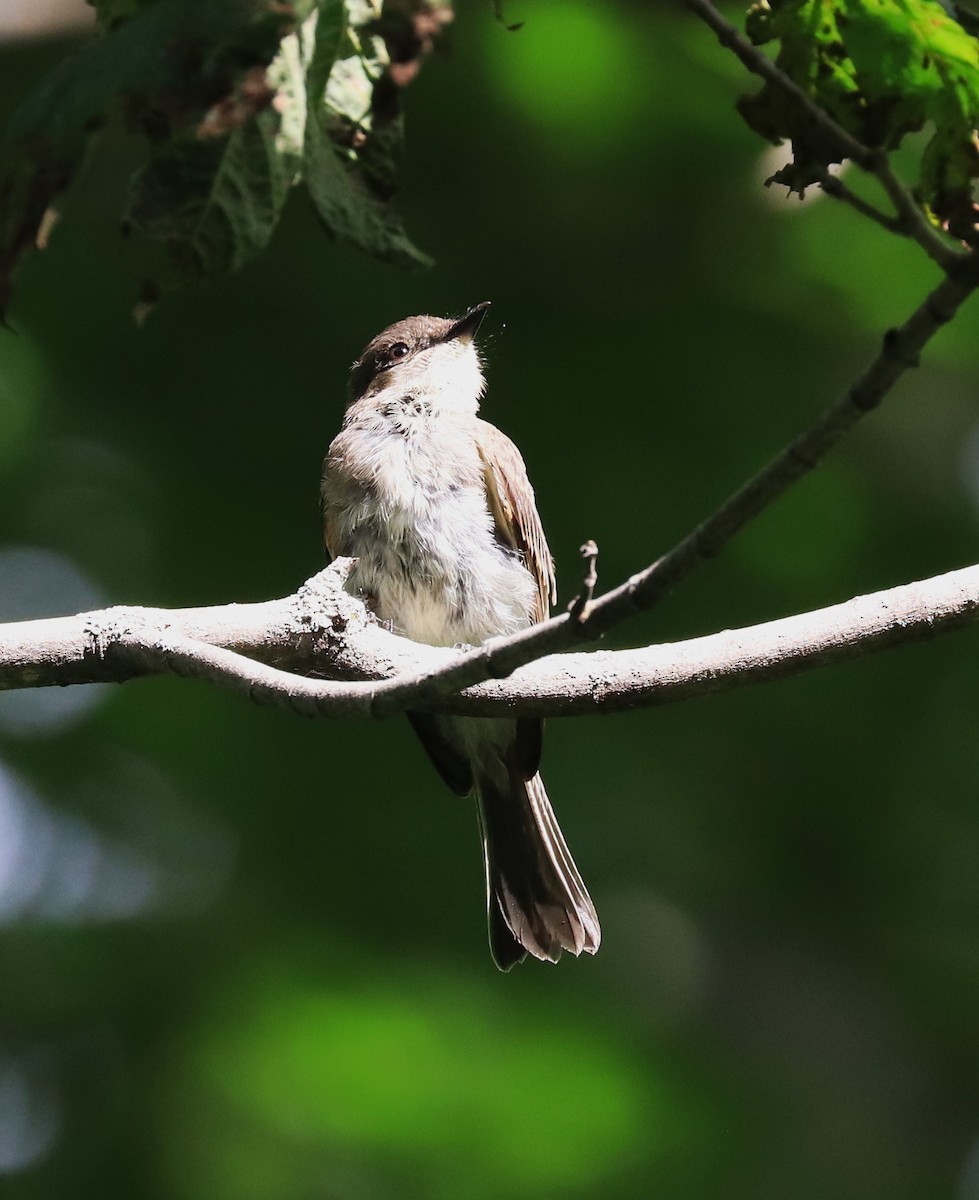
(373, 672)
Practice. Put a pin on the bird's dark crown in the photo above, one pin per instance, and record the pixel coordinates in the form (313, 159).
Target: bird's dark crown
(404, 339)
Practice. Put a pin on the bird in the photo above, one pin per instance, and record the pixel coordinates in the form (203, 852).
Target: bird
(435, 506)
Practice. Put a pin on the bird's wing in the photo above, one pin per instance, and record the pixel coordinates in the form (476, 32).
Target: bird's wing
(511, 501)
(332, 492)
(331, 532)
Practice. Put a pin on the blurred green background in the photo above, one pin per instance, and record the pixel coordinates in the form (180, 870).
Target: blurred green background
(242, 954)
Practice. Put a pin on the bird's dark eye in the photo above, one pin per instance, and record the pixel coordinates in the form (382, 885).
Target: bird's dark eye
(398, 351)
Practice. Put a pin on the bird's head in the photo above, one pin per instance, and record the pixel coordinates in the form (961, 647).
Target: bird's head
(434, 357)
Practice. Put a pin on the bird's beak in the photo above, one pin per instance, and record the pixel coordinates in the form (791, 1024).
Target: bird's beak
(465, 328)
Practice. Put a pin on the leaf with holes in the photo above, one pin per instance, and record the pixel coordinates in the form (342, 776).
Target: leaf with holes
(882, 69)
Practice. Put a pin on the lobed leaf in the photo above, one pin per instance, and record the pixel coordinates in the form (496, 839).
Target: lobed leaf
(353, 139)
(237, 100)
(882, 69)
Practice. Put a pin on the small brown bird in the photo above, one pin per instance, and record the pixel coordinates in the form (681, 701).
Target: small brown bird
(436, 507)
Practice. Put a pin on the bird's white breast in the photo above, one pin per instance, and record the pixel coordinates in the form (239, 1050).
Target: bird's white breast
(407, 490)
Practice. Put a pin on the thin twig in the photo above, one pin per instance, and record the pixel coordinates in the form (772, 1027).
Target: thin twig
(578, 608)
(833, 186)
(913, 222)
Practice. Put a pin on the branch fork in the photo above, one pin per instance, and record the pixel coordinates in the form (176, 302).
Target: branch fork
(365, 671)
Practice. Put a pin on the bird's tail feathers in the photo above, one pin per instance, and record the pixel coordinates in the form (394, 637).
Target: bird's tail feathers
(537, 901)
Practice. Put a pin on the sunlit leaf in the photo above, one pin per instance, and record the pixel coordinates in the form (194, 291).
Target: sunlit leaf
(354, 135)
(882, 69)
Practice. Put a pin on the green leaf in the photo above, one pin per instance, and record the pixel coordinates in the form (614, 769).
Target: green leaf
(172, 62)
(882, 69)
(109, 13)
(214, 202)
(348, 210)
(238, 100)
(354, 135)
